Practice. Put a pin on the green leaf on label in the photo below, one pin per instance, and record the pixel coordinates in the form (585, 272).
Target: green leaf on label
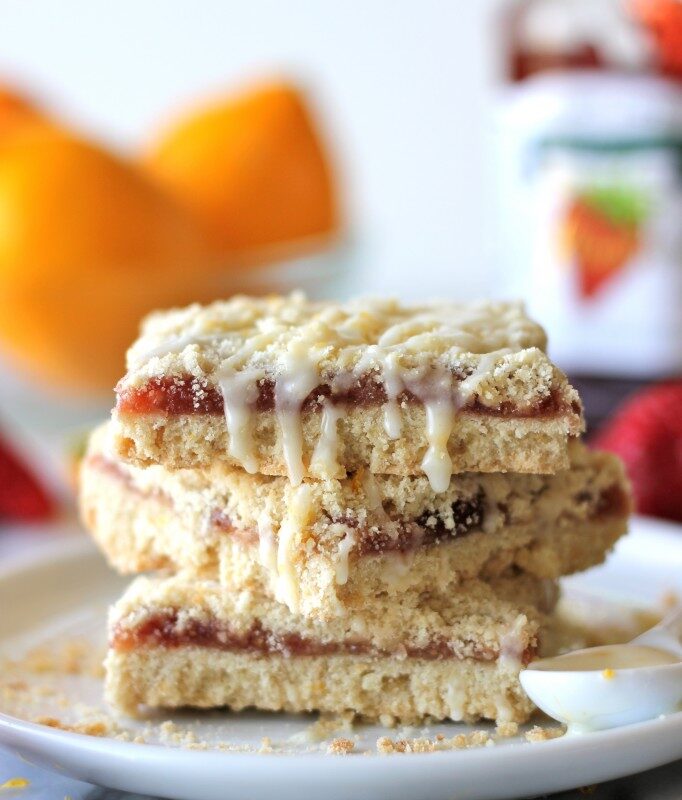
(623, 205)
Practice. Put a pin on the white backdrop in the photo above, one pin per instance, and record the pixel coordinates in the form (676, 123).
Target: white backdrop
(405, 85)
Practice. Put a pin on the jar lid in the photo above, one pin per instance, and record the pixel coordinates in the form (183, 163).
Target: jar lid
(594, 105)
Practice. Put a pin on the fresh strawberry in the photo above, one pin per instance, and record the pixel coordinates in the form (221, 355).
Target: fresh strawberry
(22, 498)
(647, 434)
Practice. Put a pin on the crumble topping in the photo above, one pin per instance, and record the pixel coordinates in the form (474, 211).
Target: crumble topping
(72, 657)
(506, 729)
(543, 734)
(340, 747)
(462, 741)
(258, 332)
(88, 728)
(282, 353)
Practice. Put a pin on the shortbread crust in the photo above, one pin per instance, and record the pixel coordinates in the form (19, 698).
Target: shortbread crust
(285, 386)
(327, 546)
(407, 690)
(175, 643)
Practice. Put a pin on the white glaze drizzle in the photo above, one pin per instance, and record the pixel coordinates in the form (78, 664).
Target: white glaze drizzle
(374, 504)
(286, 591)
(485, 367)
(504, 710)
(455, 697)
(386, 358)
(437, 464)
(324, 461)
(298, 379)
(267, 551)
(393, 386)
(446, 329)
(342, 557)
(511, 645)
(239, 388)
(295, 523)
(436, 394)
(240, 391)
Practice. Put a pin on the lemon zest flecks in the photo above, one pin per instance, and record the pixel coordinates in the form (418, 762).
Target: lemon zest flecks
(15, 783)
(608, 674)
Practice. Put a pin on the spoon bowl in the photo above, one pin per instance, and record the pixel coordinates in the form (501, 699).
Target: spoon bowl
(606, 687)
(598, 699)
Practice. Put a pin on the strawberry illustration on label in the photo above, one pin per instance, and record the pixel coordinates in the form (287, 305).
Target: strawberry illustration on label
(601, 231)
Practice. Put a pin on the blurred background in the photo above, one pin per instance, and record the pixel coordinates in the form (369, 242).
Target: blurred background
(152, 154)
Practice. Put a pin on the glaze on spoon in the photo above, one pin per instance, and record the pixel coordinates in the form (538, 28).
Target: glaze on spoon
(614, 685)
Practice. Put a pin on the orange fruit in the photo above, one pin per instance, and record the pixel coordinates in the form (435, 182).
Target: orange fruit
(16, 110)
(87, 246)
(253, 170)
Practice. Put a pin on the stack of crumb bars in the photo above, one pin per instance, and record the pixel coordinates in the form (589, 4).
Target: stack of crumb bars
(348, 507)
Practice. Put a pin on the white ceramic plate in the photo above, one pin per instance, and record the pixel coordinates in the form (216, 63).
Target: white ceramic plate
(65, 590)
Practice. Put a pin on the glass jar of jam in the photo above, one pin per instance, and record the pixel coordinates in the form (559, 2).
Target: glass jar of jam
(590, 171)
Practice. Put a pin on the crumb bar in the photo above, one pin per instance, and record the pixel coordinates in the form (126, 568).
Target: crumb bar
(328, 546)
(285, 386)
(179, 643)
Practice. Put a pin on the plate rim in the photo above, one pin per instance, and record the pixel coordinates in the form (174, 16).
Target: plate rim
(525, 768)
(575, 741)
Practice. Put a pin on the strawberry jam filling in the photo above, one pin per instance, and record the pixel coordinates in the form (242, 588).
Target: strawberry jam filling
(175, 396)
(163, 629)
(402, 537)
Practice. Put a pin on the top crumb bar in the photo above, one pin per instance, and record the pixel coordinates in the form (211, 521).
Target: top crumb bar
(286, 386)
